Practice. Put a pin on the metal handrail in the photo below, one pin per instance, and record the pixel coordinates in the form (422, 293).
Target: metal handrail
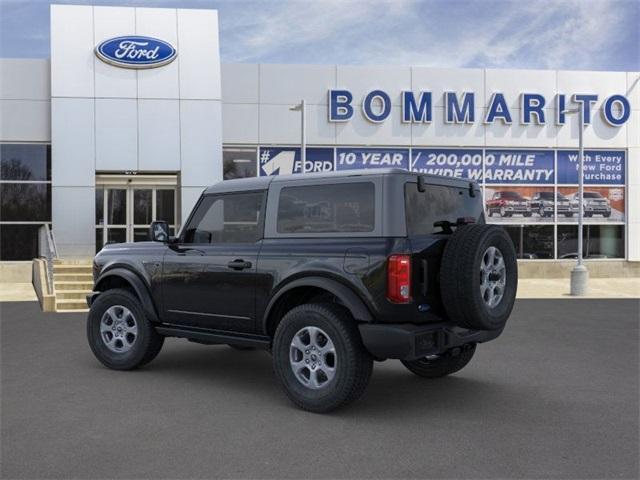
(48, 249)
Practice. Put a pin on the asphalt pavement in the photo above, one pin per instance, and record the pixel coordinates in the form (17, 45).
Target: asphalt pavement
(556, 396)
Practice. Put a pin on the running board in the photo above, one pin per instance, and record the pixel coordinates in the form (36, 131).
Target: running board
(213, 337)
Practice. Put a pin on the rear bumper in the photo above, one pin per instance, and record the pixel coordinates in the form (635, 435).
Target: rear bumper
(409, 341)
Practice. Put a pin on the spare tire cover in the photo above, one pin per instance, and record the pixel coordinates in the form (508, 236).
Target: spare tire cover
(479, 277)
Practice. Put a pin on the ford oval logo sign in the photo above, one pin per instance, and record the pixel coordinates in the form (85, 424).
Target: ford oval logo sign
(134, 51)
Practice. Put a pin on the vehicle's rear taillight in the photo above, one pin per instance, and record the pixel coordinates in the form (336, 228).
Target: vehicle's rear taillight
(399, 278)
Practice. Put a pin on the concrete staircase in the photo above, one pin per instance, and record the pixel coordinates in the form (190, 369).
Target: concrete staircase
(72, 282)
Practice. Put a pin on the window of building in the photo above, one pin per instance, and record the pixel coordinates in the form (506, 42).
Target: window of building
(25, 198)
(532, 242)
(239, 162)
(233, 218)
(598, 241)
(337, 208)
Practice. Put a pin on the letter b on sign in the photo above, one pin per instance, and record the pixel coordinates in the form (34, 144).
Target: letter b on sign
(340, 109)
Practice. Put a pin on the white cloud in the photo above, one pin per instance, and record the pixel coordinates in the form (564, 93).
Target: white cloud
(534, 34)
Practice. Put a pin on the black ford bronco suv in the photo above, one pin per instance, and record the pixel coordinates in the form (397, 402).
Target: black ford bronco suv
(329, 272)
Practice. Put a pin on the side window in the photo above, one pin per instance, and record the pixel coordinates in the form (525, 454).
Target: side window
(338, 208)
(233, 218)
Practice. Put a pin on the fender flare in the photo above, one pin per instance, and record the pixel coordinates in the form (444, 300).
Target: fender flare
(138, 285)
(346, 295)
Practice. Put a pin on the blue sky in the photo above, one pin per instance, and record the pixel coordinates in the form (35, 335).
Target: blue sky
(546, 34)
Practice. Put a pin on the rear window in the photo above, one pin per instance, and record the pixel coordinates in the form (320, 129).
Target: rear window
(436, 204)
(337, 208)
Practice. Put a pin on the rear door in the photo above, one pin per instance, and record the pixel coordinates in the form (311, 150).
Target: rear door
(209, 276)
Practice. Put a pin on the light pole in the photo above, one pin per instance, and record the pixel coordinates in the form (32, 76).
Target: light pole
(580, 274)
(303, 133)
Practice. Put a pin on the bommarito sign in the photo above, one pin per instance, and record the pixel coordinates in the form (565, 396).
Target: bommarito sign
(460, 108)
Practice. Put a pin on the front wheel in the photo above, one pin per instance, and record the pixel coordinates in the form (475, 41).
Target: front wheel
(435, 366)
(318, 357)
(119, 333)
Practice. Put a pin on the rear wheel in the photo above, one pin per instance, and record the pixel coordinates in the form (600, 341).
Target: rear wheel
(318, 357)
(435, 366)
(119, 333)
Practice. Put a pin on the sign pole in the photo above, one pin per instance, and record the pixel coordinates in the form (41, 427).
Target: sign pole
(580, 274)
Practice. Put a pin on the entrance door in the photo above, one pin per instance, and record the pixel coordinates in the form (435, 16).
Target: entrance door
(124, 212)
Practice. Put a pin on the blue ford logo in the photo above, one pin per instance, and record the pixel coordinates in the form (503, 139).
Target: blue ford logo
(134, 51)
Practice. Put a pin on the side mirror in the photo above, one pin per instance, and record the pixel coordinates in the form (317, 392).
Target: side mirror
(159, 231)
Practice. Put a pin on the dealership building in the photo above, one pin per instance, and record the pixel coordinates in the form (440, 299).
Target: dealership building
(96, 149)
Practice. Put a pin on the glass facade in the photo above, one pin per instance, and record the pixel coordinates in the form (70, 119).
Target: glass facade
(531, 193)
(25, 198)
(124, 213)
(239, 162)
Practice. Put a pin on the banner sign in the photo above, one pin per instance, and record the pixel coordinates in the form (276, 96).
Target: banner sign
(530, 167)
(287, 160)
(600, 167)
(518, 166)
(361, 158)
(450, 162)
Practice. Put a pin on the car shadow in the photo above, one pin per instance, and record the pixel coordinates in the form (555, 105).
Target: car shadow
(392, 392)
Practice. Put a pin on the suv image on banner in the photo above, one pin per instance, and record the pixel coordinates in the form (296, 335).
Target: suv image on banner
(594, 204)
(543, 203)
(507, 204)
(328, 272)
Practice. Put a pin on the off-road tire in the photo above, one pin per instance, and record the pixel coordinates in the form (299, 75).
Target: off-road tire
(445, 364)
(353, 363)
(148, 342)
(460, 277)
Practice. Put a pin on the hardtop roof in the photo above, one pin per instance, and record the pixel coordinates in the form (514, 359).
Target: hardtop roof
(262, 183)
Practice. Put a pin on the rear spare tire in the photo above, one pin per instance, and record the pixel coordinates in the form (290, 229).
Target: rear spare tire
(479, 277)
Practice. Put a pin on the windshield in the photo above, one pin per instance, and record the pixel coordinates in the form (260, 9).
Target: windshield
(511, 195)
(545, 195)
(592, 195)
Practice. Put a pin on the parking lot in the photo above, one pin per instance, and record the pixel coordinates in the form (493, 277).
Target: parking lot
(555, 397)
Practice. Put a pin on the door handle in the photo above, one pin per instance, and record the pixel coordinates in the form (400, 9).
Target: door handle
(238, 264)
